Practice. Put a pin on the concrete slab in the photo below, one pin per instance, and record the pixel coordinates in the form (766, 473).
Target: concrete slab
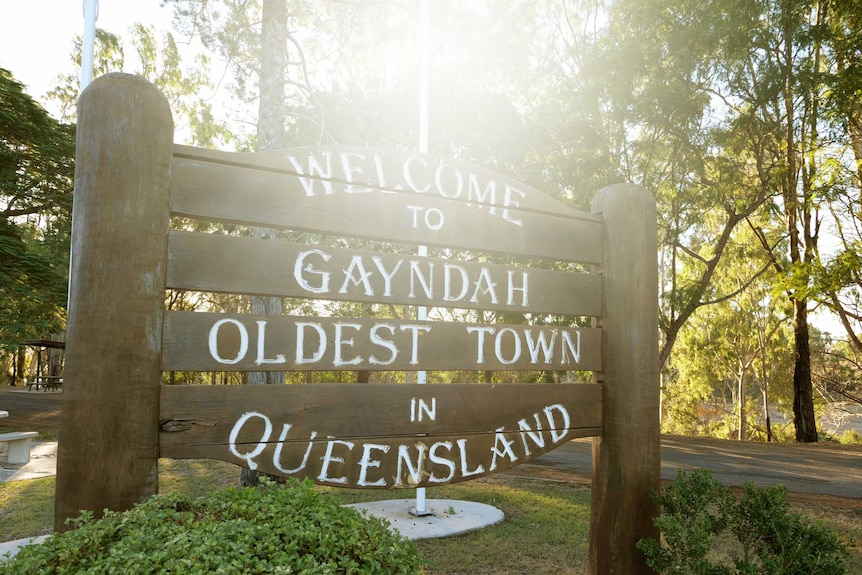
(12, 547)
(449, 517)
(43, 463)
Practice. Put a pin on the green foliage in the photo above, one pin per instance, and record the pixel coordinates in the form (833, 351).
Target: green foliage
(697, 512)
(850, 437)
(270, 529)
(36, 179)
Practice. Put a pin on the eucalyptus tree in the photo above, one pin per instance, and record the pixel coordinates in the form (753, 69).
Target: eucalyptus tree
(161, 60)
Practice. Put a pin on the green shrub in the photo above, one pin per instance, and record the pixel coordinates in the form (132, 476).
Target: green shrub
(850, 437)
(706, 530)
(268, 529)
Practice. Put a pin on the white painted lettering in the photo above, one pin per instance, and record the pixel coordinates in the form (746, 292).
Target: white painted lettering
(388, 344)
(387, 275)
(367, 462)
(558, 432)
(338, 360)
(488, 289)
(417, 275)
(502, 448)
(315, 168)
(439, 180)
(415, 472)
(300, 342)
(261, 344)
(437, 460)
(510, 298)
(408, 175)
(328, 458)
(509, 202)
(486, 197)
(526, 431)
(213, 341)
(574, 349)
(356, 267)
(447, 282)
(480, 340)
(300, 269)
(261, 443)
(351, 170)
(465, 470)
(276, 457)
(498, 346)
(541, 344)
(415, 330)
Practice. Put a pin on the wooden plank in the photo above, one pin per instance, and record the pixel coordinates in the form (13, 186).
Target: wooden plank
(376, 435)
(391, 169)
(226, 193)
(626, 459)
(109, 420)
(232, 342)
(217, 263)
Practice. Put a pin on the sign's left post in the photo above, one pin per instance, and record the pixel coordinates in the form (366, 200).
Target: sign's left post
(108, 444)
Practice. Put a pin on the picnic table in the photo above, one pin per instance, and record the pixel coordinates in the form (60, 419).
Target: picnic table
(45, 382)
(41, 381)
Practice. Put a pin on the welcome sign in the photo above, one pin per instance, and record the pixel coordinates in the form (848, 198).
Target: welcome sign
(502, 247)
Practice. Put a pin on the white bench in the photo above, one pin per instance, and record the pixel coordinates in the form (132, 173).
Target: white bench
(17, 446)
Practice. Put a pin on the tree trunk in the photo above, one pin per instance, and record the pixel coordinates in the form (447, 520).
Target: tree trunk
(270, 136)
(743, 416)
(803, 389)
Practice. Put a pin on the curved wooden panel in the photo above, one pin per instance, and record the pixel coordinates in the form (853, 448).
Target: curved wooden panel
(376, 436)
(229, 193)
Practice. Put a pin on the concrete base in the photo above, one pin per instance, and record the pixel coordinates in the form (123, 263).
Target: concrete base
(448, 517)
(16, 446)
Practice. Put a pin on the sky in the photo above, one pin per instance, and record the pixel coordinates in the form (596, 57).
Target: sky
(37, 36)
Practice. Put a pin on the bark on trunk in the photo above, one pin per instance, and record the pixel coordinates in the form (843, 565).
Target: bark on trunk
(803, 389)
(270, 136)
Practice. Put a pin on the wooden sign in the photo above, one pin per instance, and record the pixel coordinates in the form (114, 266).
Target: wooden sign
(376, 436)
(492, 215)
(195, 341)
(199, 262)
(117, 420)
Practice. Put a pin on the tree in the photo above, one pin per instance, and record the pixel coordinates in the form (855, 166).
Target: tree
(36, 179)
(160, 61)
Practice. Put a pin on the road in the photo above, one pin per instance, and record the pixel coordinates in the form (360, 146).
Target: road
(818, 469)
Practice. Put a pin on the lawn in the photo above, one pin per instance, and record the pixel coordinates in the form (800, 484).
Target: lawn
(546, 529)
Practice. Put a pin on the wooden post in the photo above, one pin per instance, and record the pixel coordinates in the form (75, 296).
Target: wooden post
(626, 458)
(108, 446)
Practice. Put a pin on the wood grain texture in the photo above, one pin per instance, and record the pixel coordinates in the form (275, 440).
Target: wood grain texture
(384, 169)
(626, 458)
(195, 341)
(109, 419)
(227, 193)
(218, 263)
(376, 435)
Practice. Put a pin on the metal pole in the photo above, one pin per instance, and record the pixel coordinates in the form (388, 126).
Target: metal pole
(424, 64)
(91, 14)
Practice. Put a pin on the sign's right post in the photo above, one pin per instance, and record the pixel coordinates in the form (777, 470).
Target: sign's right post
(626, 458)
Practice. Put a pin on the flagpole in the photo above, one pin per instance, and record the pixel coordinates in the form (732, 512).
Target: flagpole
(91, 14)
(424, 65)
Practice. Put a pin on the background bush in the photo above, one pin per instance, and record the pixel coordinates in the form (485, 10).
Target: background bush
(706, 530)
(269, 529)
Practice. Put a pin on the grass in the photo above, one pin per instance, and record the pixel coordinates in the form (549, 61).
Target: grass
(546, 529)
